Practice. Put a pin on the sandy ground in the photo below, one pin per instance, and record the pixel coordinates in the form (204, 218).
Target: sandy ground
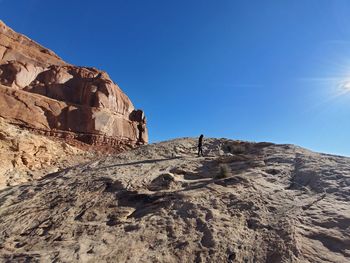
(242, 202)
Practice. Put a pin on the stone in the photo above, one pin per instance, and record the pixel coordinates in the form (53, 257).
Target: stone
(41, 92)
(25, 156)
(17, 47)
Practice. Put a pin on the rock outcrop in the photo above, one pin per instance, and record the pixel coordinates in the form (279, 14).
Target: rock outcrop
(41, 92)
(161, 203)
(26, 156)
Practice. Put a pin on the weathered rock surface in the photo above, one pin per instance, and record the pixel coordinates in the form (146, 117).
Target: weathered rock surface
(17, 47)
(40, 91)
(26, 156)
(161, 203)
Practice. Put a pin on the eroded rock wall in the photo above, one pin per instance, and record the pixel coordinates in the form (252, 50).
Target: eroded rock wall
(40, 91)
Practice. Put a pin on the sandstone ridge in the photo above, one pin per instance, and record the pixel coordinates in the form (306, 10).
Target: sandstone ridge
(41, 92)
(161, 203)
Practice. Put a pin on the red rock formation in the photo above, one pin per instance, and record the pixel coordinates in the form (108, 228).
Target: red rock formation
(41, 92)
(17, 47)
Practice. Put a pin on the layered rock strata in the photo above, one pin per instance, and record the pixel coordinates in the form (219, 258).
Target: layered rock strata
(26, 156)
(41, 92)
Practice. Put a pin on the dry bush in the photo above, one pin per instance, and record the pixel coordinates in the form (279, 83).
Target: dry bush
(224, 171)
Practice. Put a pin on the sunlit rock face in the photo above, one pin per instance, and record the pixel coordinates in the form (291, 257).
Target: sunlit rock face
(40, 91)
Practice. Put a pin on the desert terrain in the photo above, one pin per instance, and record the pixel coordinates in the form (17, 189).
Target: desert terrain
(241, 202)
(26, 156)
(79, 183)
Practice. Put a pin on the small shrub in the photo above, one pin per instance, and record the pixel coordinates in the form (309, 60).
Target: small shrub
(224, 171)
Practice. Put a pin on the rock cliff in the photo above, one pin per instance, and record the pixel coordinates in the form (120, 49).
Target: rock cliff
(41, 92)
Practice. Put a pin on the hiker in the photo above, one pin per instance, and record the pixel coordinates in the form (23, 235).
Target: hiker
(141, 128)
(200, 144)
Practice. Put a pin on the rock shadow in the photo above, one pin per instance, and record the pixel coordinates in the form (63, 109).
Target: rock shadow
(135, 163)
(144, 204)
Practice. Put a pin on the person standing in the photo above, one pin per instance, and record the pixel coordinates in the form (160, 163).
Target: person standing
(141, 128)
(200, 144)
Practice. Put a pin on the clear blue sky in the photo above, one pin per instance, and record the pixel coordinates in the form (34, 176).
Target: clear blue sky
(268, 70)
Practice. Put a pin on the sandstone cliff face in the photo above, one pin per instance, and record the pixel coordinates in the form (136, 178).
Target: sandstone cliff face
(17, 47)
(40, 91)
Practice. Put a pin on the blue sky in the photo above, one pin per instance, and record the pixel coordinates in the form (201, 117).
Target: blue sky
(253, 70)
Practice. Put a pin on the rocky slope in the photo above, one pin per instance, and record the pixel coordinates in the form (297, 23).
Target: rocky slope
(41, 92)
(26, 156)
(242, 202)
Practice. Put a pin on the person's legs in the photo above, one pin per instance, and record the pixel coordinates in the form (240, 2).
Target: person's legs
(200, 150)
